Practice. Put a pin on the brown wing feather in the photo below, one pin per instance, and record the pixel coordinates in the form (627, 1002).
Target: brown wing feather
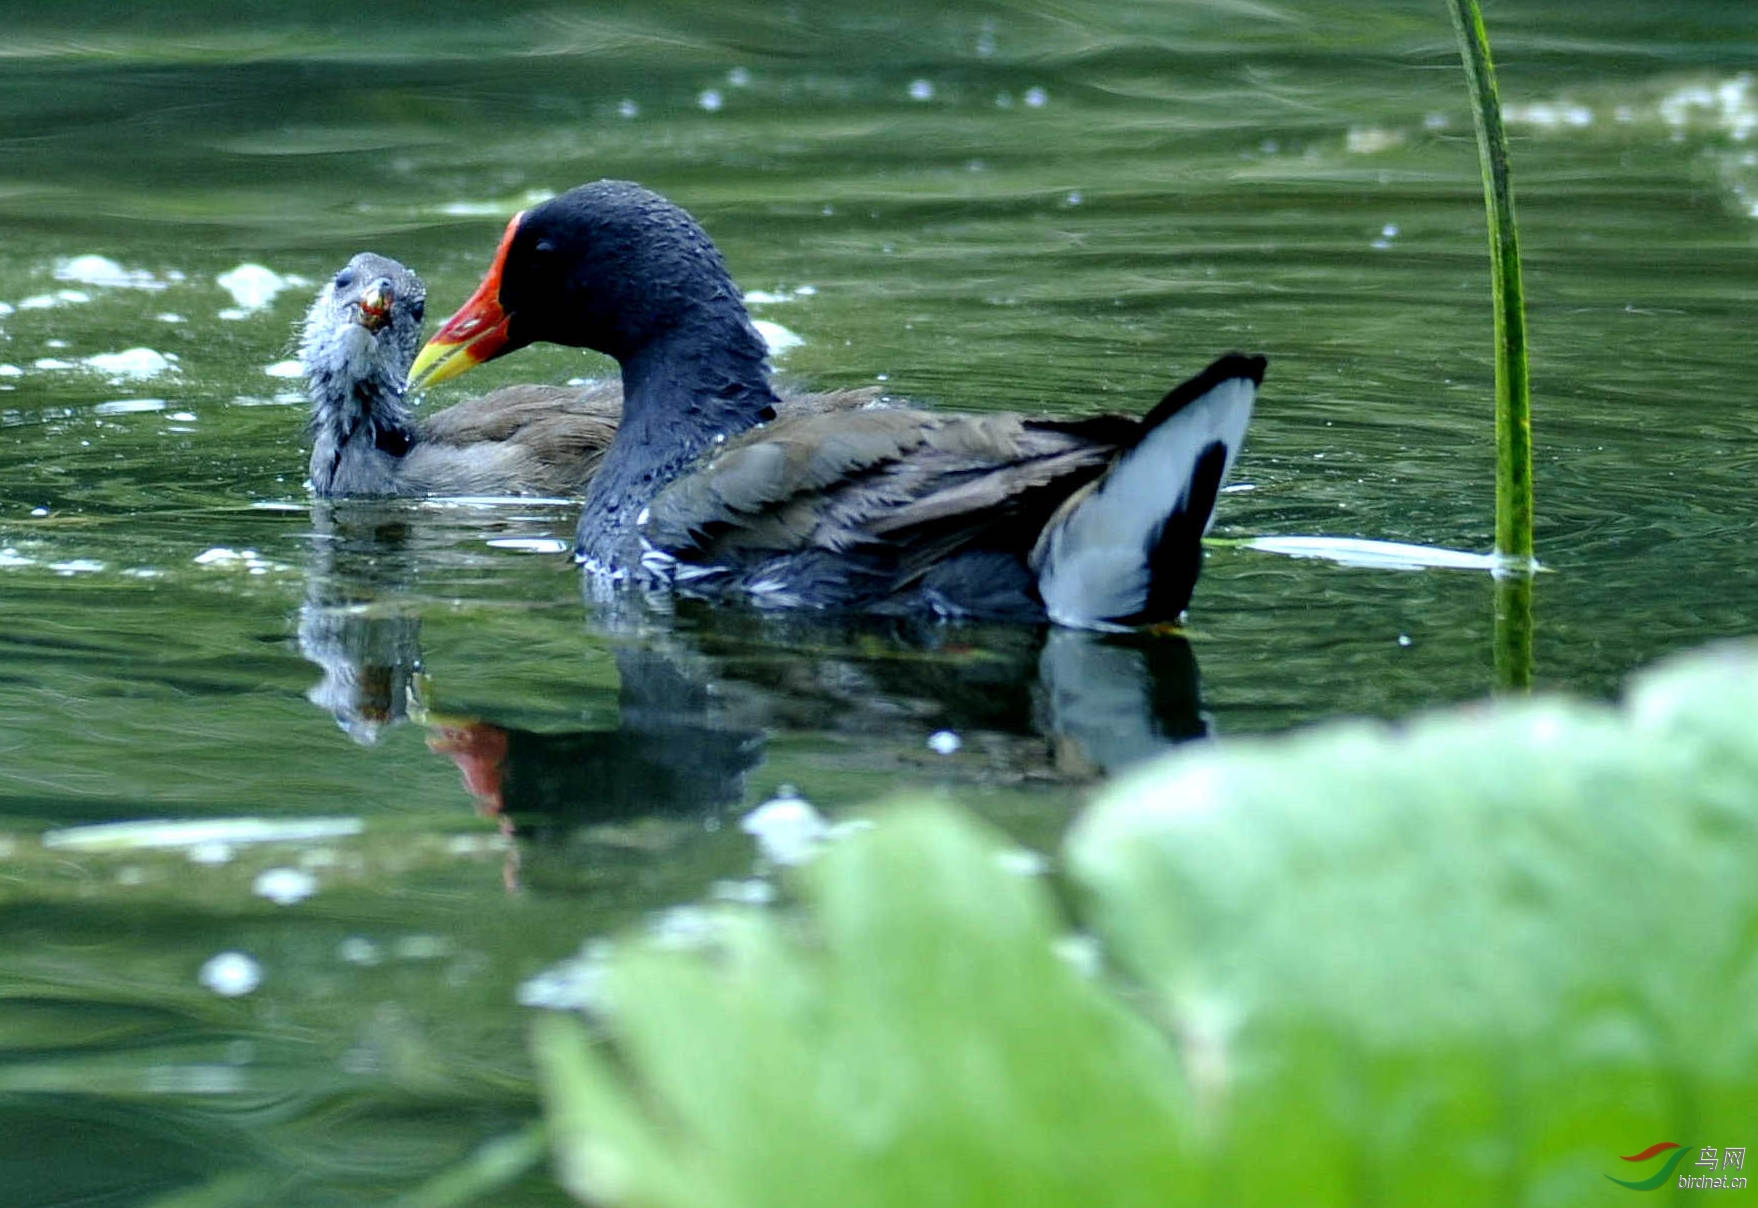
(921, 483)
(547, 439)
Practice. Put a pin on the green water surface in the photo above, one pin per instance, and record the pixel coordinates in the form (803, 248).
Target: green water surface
(1010, 205)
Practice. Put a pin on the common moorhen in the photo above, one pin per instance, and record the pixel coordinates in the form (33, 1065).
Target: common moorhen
(1091, 522)
(358, 340)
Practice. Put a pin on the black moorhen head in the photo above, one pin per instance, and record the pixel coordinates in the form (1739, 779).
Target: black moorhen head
(1095, 522)
(616, 268)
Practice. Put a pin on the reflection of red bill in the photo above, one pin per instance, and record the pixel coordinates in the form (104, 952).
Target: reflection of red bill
(479, 750)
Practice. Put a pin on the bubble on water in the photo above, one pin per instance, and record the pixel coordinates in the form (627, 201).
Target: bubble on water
(129, 406)
(170, 317)
(921, 90)
(231, 974)
(284, 886)
(738, 77)
(779, 339)
(752, 892)
(131, 362)
(944, 742)
(285, 369)
(787, 828)
(1371, 140)
(11, 371)
(531, 545)
(61, 297)
(358, 950)
(628, 108)
(1404, 639)
(576, 984)
(247, 559)
(709, 99)
(254, 286)
(1035, 98)
(422, 948)
(92, 269)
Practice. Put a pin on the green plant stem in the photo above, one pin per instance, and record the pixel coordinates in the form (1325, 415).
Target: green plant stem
(1513, 390)
(1513, 636)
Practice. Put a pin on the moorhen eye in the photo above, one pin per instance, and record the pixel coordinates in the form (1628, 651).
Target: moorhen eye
(345, 278)
(418, 308)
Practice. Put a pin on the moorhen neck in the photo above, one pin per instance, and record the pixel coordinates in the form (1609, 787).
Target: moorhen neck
(1095, 522)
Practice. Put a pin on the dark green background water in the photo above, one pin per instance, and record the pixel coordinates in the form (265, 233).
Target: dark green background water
(1080, 203)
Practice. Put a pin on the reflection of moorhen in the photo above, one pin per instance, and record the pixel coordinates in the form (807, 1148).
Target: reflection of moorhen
(697, 693)
(1104, 701)
(665, 757)
(359, 338)
(1094, 522)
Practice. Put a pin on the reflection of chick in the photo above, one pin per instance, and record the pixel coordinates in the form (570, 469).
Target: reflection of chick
(368, 662)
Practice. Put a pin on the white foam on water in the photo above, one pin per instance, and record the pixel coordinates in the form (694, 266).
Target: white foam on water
(284, 886)
(129, 406)
(531, 545)
(231, 974)
(1375, 555)
(285, 369)
(779, 339)
(133, 836)
(131, 362)
(254, 286)
(92, 269)
(787, 828)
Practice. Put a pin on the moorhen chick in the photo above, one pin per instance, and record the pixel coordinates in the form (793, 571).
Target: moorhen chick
(358, 339)
(1091, 522)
